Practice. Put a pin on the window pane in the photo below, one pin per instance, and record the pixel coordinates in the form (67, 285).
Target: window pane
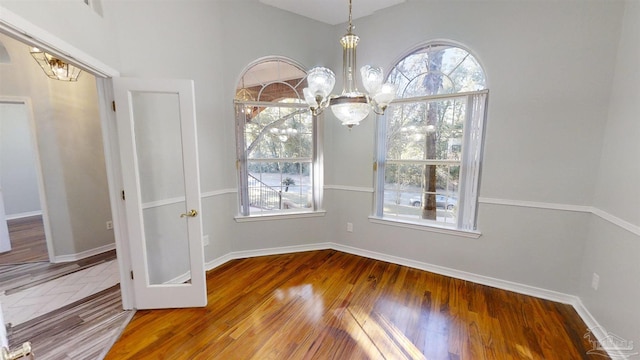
(264, 186)
(271, 80)
(437, 69)
(296, 135)
(296, 186)
(431, 83)
(426, 130)
(279, 132)
(468, 76)
(279, 186)
(408, 185)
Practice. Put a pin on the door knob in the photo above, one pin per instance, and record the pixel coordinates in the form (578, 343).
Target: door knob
(23, 353)
(191, 213)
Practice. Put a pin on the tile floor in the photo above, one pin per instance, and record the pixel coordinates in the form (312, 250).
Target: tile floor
(41, 299)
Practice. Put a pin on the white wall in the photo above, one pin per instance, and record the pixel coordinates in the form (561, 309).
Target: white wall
(546, 114)
(612, 252)
(18, 176)
(71, 152)
(72, 21)
(212, 42)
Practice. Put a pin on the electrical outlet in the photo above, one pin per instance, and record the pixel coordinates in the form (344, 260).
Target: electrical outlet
(109, 225)
(205, 240)
(595, 281)
(349, 227)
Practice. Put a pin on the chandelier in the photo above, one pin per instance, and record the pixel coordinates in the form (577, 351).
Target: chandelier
(54, 67)
(352, 106)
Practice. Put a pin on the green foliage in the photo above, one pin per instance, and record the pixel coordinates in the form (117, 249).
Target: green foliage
(425, 130)
(279, 133)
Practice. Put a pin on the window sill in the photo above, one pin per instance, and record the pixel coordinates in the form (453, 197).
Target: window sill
(426, 227)
(283, 216)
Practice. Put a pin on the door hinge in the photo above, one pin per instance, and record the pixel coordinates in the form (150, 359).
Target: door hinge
(113, 105)
(375, 166)
(131, 274)
(123, 197)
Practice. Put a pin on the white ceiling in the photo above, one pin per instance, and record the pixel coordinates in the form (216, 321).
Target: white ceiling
(332, 12)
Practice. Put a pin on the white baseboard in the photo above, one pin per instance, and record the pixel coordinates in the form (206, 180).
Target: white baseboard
(210, 265)
(279, 250)
(85, 254)
(462, 275)
(458, 274)
(23, 215)
(604, 337)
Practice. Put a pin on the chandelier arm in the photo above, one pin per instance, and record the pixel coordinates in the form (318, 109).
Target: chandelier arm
(377, 110)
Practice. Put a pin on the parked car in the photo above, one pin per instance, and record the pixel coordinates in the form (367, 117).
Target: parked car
(442, 201)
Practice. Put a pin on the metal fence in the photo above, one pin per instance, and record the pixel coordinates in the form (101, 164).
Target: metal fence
(263, 196)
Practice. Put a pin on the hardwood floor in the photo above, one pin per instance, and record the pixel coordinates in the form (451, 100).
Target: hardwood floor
(28, 243)
(332, 305)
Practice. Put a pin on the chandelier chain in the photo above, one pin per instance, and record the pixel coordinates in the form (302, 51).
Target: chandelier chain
(350, 28)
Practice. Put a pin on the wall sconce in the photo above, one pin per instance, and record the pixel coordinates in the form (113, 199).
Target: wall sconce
(54, 67)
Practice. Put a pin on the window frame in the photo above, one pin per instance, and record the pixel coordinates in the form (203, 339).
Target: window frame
(242, 161)
(470, 160)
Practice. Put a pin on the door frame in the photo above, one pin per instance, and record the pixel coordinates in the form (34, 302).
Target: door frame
(17, 27)
(33, 133)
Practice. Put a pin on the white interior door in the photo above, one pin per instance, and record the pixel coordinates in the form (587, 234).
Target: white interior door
(159, 155)
(4, 342)
(5, 241)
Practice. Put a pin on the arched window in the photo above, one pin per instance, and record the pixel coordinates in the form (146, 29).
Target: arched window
(276, 134)
(430, 140)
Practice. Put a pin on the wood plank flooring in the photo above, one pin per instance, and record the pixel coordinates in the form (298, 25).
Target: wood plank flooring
(28, 242)
(83, 330)
(14, 278)
(332, 305)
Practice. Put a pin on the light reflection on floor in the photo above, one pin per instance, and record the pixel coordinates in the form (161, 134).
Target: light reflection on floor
(374, 333)
(313, 307)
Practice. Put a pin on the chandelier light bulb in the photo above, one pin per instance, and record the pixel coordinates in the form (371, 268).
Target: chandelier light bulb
(321, 82)
(372, 78)
(385, 95)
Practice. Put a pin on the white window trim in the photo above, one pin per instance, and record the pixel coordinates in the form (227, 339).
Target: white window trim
(423, 226)
(280, 216)
(470, 169)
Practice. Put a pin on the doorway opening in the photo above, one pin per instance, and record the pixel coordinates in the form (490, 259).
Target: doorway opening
(23, 238)
(55, 189)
